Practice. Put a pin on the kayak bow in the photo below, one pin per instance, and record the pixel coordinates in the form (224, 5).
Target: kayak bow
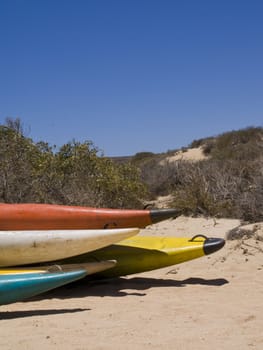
(62, 217)
(145, 253)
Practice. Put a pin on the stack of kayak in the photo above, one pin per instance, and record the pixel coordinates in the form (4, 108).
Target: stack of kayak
(44, 246)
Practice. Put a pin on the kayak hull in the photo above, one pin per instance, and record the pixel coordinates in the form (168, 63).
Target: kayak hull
(61, 217)
(90, 268)
(17, 287)
(29, 247)
(142, 253)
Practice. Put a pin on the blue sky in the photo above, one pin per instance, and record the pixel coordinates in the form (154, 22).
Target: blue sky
(131, 75)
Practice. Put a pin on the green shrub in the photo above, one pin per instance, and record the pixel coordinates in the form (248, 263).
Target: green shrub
(76, 174)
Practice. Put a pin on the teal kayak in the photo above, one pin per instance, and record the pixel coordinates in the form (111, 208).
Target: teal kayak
(17, 287)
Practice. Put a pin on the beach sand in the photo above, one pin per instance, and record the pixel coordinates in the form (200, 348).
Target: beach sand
(214, 302)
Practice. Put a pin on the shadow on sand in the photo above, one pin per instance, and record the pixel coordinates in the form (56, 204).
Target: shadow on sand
(121, 287)
(117, 287)
(9, 315)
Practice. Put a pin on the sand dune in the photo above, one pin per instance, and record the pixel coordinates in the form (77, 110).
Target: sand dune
(190, 154)
(212, 302)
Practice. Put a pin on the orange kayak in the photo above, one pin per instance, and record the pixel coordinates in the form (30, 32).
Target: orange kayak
(61, 217)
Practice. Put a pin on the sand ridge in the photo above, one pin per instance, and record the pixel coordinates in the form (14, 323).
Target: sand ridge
(189, 154)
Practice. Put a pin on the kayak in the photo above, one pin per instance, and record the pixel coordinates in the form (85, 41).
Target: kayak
(20, 283)
(29, 247)
(62, 217)
(146, 253)
(90, 268)
(16, 287)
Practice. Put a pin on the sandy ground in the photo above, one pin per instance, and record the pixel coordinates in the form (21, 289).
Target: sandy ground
(191, 154)
(214, 302)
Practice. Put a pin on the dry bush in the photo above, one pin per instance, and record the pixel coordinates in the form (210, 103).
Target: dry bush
(228, 184)
(229, 188)
(222, 189)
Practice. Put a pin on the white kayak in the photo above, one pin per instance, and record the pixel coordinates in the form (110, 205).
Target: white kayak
(29, 247)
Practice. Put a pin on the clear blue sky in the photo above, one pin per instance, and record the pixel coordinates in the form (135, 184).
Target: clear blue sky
(131, 75)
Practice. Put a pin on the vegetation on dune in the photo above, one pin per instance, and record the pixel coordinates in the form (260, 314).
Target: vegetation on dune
(223, 189)
(229, 183)
(241, 145)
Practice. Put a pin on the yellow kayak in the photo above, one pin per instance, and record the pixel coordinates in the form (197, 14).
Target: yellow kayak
(145, 253)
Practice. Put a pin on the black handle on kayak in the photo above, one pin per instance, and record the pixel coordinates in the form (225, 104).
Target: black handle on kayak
(196, 236)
